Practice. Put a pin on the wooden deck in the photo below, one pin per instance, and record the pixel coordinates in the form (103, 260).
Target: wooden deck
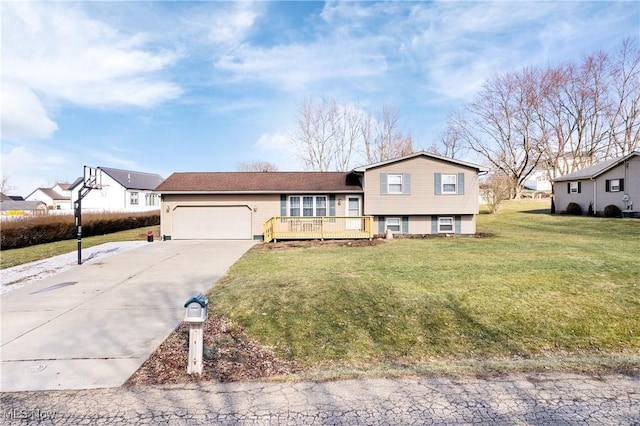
(318, 228)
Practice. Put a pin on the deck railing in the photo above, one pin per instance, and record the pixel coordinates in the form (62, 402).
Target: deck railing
(318, 228)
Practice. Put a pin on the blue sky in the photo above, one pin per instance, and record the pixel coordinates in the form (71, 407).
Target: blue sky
(201, 86)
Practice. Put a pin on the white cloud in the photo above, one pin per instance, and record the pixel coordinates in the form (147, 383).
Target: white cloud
(58, 52)
(23, 116)
(277, 149)
(106, 159)
(275, 142)
(291, 67)
(231, 26)
(31, 168)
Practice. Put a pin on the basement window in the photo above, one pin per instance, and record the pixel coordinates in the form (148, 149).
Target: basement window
(445, 225)
(393, 224)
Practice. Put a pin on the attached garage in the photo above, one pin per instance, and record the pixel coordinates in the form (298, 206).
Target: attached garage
(212, 223)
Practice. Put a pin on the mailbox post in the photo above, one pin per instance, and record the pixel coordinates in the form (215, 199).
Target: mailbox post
(196, 312)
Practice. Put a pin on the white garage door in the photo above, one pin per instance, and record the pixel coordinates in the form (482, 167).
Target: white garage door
(212, 223)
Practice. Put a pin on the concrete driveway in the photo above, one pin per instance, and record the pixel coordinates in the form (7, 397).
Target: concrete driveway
(93, 326)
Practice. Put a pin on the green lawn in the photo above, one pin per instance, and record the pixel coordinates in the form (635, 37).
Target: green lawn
(14, 257)
(544, 289)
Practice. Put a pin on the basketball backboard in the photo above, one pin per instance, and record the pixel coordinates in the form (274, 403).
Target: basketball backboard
(92, 177)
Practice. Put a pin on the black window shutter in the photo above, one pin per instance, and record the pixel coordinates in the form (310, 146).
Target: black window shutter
(579, 187)
(568, 187)
(607, 185)
(621, 184)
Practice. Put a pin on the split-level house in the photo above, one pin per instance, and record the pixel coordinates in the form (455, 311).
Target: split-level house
(615, 181)
(420, 193)
(119, 190)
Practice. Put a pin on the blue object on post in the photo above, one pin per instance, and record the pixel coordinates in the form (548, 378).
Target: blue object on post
(196, 309)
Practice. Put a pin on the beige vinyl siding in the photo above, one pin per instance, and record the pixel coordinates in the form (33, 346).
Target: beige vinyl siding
(421, 225)
(422, 199)
(263, 206)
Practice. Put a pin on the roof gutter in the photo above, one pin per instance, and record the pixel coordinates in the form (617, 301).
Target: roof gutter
(282, 191)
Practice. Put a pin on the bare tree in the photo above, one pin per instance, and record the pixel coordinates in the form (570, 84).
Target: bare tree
(502, 126)
(625, 115)
(586, 104)
(347, 131)
(561, 118)
(256, 166)
(450, 142)
(332, 136)
(558, 154)
(495, 189)
(5, 185)
(315, 137)
(381, 138)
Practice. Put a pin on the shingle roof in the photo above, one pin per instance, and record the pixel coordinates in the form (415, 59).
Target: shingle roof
(251, 182)
(7, 205)
(133, 180)
(595, 170)
(52, 194)
(422, 154)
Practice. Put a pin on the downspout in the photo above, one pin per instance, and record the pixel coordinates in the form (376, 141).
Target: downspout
(595, 197)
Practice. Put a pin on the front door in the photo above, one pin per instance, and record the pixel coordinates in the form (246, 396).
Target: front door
(354, 208)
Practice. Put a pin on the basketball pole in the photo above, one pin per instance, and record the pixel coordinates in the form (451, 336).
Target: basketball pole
(78, 207)
(88, 184)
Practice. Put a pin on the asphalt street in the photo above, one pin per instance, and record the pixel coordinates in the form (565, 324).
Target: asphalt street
(541, 399)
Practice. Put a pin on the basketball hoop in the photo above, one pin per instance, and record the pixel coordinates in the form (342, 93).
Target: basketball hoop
(92, 179)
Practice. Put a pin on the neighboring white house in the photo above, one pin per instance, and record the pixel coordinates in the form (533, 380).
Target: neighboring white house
(538, 181)
(56, 198)
(615, 181)
(121, 190)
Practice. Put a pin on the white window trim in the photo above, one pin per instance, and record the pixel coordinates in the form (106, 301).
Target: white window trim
(315, 205)
(440, 224)
(386, 224)
(442, 183)
(389, 176)
(346, 204)
(151, 200)
(573, 187)
(614, 188)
